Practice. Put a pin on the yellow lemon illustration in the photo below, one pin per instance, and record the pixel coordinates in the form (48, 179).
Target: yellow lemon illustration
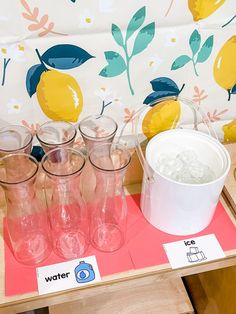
(59, 96)
(201, 9)
(225, 65)
(161, 117)
(230, 132)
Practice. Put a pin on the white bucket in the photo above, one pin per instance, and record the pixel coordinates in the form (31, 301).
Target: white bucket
(181, 208)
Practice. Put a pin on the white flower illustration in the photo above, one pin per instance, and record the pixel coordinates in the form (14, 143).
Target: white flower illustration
(14, 106)
(108, 98)
(105, 94)
(8, 53)
(13, 51)
(86, 19)
(154, 62)
(171, 39)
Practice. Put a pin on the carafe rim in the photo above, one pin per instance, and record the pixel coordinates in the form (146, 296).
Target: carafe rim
(57, 144)
(106, 169)
(12, 151)
(101, 138)
(78, 171)
(33, 159)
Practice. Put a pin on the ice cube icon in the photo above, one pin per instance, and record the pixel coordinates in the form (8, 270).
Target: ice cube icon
(194, 255)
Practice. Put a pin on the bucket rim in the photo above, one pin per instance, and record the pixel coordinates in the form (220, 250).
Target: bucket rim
(198, 133)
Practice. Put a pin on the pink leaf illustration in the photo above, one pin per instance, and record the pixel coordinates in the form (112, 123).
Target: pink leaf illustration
(25, 5)
(33, 128)
(35, 13)
(33, 27)
(38, 23)
(47, 30)
(223, 111)
(43, 20)
(126, 110)
(214, 116)
(129, 115)
(199, 95)
(28, 17)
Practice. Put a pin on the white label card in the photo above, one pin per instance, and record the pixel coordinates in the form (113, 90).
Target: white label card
(193, 251)
(71, 274)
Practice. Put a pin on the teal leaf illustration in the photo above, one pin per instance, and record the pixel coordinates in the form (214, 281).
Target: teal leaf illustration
(164, 84)
(205, 51)
(65, 56)
(143, 39)
(233, 90)
(180, 62)
(117, 35)
(116, 64)
(135, 22)
(33, 77)
(194, 42)
(150, 99)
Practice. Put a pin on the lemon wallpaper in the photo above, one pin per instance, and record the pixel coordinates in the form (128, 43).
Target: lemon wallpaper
(66, 59)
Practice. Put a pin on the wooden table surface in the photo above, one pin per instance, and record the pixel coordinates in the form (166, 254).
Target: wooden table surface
(126, 280)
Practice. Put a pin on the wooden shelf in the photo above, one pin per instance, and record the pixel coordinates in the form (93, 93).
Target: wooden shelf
(136, 291)
(230, 183)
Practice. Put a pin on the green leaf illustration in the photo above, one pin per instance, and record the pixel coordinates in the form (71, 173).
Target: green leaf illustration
(162, 87)
(205, 51)
(180, 62)
(33, 78)
(164, 84)
(143, 39)
(150, 99)
(117, 35)
(116, 64)
(233, 90)
(135, 22)
(194, 42)
(65, 56)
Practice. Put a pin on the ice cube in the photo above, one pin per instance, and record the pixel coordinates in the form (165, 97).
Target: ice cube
(187, 156)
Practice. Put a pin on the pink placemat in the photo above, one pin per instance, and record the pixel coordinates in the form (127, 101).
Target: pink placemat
(143, 248)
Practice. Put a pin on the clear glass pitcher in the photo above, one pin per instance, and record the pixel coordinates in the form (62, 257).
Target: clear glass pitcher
(95, 130)
(67, 211)
(108, 210)
(26, 219)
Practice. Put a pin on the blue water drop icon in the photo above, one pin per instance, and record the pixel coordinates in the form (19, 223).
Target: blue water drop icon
(82, 274)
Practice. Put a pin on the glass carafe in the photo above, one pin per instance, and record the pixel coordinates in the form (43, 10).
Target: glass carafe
(108, 210)
(15, 139)
(95, 130)
(26, 218)
(54, 134)
(67, 211)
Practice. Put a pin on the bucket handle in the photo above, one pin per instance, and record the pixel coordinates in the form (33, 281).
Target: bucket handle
(192, 106)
